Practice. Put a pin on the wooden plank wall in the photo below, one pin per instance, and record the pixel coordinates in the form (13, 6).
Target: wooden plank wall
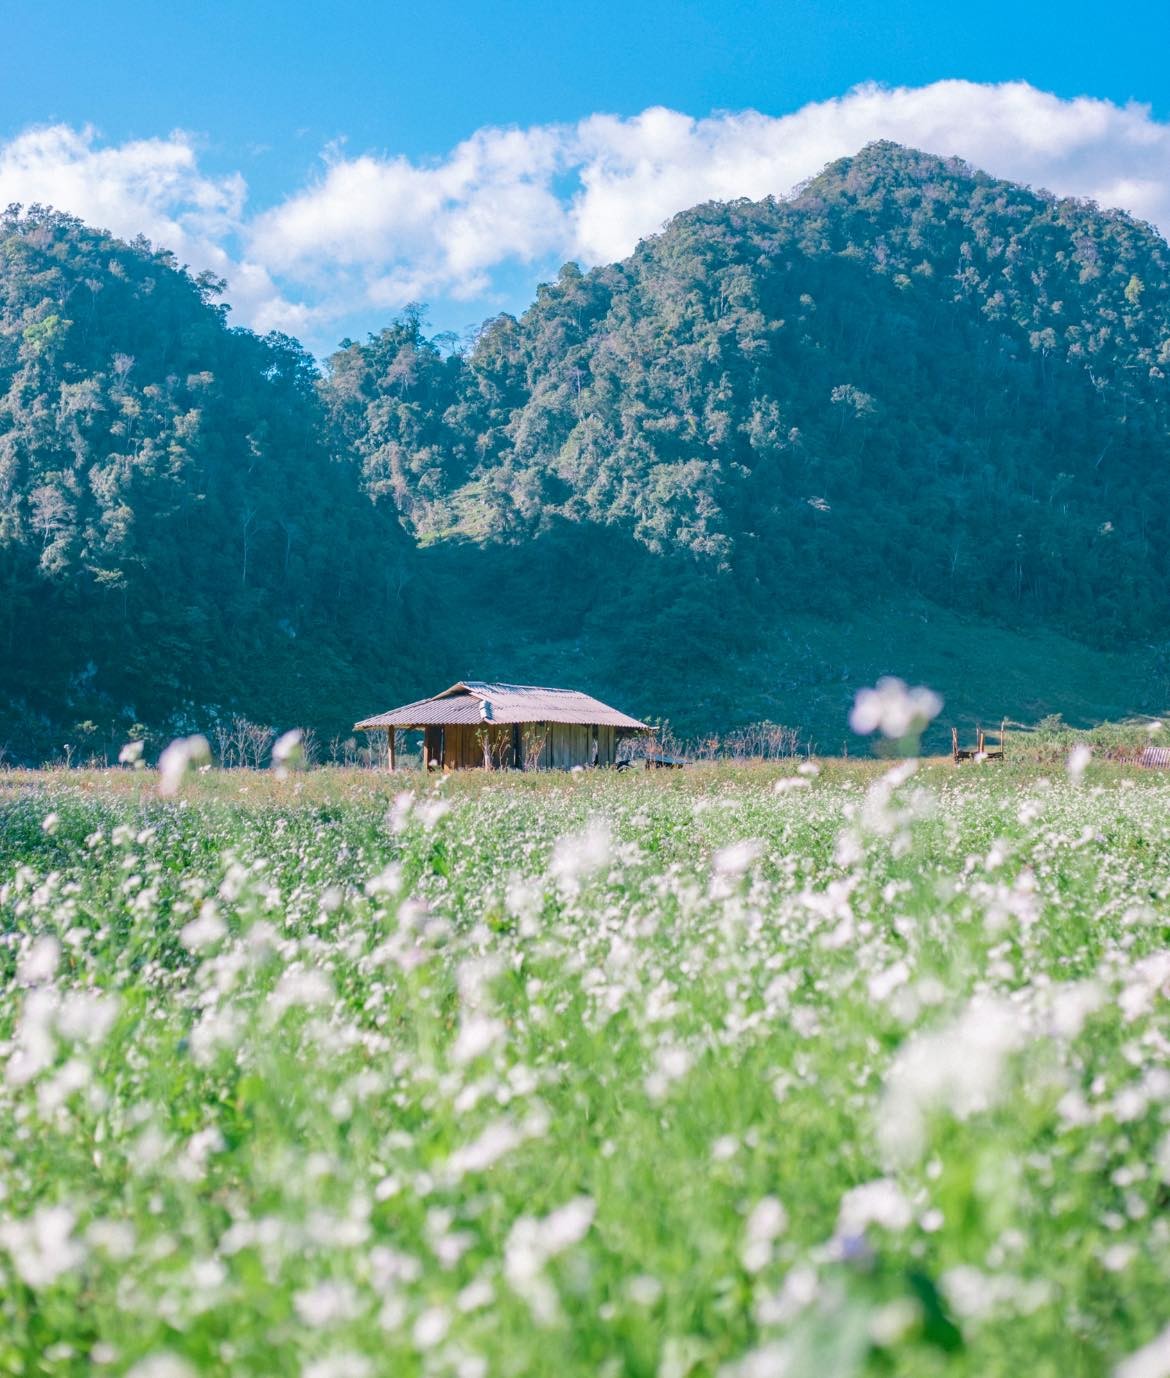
(572, 745)
(432, 736)
(564, 745)
(606, 746)
(530, 735)
(501, 742)
(463, 747)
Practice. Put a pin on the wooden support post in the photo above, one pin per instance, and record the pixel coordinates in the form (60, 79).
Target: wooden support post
(390, 748)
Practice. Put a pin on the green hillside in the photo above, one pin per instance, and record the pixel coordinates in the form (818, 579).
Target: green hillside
(803, 668)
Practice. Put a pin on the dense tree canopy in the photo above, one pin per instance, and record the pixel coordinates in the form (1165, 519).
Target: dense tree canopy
(910, 380)
(174, 531)
(910, 375)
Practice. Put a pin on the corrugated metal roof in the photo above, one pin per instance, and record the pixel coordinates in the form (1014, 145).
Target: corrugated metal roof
(477, 701)
(426, 713)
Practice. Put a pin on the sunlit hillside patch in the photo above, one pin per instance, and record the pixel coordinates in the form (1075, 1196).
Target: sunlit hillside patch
(737, 1071)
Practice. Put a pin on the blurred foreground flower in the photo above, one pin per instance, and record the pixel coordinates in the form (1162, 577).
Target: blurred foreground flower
(131, 755)
(533, 1242)
(1078, 760)
(577, 856)
(288, 753)
(894, 709)
(177, 759)
(1151, 1361)
(43, 1246)
(162, 1365)
(958, 1067)
(765, 1225)
(735, 859)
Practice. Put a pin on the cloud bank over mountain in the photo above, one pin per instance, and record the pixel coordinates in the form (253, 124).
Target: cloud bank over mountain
(373, 231)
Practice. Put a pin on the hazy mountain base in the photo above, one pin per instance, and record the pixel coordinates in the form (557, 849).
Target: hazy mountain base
(587, 607)
(805, 671)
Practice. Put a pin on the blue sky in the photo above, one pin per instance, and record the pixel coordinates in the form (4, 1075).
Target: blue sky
(335, 161)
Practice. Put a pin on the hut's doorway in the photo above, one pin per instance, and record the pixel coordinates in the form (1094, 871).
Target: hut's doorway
(433, 745)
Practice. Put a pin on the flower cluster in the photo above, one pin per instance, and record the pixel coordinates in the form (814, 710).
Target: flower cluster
(737, 1071)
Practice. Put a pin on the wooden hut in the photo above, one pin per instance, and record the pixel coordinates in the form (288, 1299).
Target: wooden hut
(508, 726)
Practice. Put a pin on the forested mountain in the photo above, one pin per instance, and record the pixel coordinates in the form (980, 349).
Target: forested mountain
(693, 479)
(175, 532)
(910, 375)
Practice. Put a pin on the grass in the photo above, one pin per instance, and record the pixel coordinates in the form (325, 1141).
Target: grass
(735, 1071)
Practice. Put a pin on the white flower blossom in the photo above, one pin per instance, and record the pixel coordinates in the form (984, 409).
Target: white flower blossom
(1152, 1360)
(39, 963)
(343, 1364)
(958, 1068)
(177, 759)
(288, 752)
(162, 1365)
(735, 859)
(1078, 761)
(671, 1063)
(43, 1246)
(478, 1034)
(532, 1242)
(880, 1202)
(204, 931)
(327, 1303)
(894, 709)
(766, 1223)
(580, 855)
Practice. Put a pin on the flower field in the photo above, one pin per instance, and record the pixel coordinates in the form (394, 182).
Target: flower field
(741, 1071)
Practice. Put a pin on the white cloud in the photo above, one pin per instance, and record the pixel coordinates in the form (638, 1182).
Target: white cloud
(385, 231)
(373, 232)
(637, 172)
(146, 186)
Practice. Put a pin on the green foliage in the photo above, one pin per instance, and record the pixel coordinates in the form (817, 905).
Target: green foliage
(909, 382)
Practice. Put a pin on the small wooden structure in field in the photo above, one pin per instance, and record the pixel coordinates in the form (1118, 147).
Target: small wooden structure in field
(981, 751)
(508, 726)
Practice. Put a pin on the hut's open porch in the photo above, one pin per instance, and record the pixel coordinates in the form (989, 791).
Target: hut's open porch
(518, 746)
